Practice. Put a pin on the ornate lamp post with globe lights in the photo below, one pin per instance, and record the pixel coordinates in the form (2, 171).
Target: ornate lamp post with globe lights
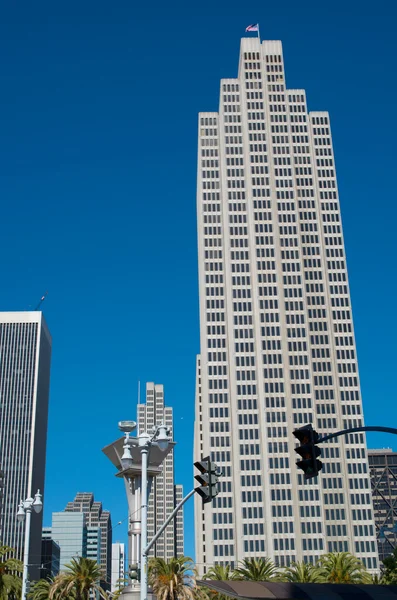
(25, 513)
(138, 460)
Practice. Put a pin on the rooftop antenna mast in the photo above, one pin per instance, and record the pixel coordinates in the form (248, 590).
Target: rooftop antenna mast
(41, 301)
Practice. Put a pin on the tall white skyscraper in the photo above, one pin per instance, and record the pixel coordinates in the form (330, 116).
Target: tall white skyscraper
(164, 492)
(25, 357)
(276, 329)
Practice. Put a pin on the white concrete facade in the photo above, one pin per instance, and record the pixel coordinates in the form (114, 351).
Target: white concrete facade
(118, 565)
(276, 331)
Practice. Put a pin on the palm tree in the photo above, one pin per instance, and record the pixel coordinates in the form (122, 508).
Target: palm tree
(172, 580)
(80, 578)
(10, 568)
(41, 589)
(342, 567)
(301, 572)
(121, 583)
(257, 569)
(219, 573)
(379, 579)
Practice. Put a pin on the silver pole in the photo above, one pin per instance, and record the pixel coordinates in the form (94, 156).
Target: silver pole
(144, 573)
(169, 519)
(28, 514)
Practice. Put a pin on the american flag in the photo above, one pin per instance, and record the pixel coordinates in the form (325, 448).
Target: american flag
(254, 27)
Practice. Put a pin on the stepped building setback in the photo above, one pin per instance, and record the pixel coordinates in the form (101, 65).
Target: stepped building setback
(277, 346)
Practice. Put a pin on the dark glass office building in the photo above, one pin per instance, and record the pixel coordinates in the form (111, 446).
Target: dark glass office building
(383, 469)
(25, 356)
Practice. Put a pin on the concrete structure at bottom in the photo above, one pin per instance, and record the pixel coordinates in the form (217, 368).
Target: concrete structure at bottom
(249, 590)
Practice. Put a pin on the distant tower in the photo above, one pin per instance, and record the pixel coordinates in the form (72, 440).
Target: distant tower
(276, 328)
(163, 495)
(25, 357)
(95, 517)
(118, 566)
(178, 522)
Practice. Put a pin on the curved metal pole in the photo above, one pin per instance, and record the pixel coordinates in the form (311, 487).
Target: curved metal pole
(146, 550)
(355, 430)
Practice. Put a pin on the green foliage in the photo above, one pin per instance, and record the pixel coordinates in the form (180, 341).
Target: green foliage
(301, 572)
(379, 579)
(80, 578)
(257, 569)
(390, 571)
(220, 573)
(172, 580)
(342, 567)
(120, 585)
(10, 571)
(334, 567)
(40, 590)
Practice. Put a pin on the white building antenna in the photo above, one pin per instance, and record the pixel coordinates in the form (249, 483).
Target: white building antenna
(41, 301)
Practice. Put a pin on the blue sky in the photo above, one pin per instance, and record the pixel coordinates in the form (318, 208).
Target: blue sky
(98, 115)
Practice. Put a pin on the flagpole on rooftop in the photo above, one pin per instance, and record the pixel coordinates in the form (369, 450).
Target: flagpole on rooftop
(259, 37)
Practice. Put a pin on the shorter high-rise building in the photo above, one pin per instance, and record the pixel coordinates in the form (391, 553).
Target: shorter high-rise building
(94, 544)
(50, 556)
(118, 565)
(383, 470)
(69, 531)
(164, 493)
(96, 517)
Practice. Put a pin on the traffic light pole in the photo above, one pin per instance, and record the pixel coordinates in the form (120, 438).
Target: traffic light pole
(356, 430)
(146, 550)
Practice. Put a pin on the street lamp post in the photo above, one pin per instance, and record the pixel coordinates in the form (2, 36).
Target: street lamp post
(159, 437)
(138, 461)
(25, 512)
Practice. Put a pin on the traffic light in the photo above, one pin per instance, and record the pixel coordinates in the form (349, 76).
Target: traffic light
(134, 572)
(208, 478)
(308, 450)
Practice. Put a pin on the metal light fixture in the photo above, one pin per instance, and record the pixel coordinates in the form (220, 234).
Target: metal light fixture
(143, 439)
(24, 513)
(37, 502)
(162, 438)
(126, 459)
(21, 513)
